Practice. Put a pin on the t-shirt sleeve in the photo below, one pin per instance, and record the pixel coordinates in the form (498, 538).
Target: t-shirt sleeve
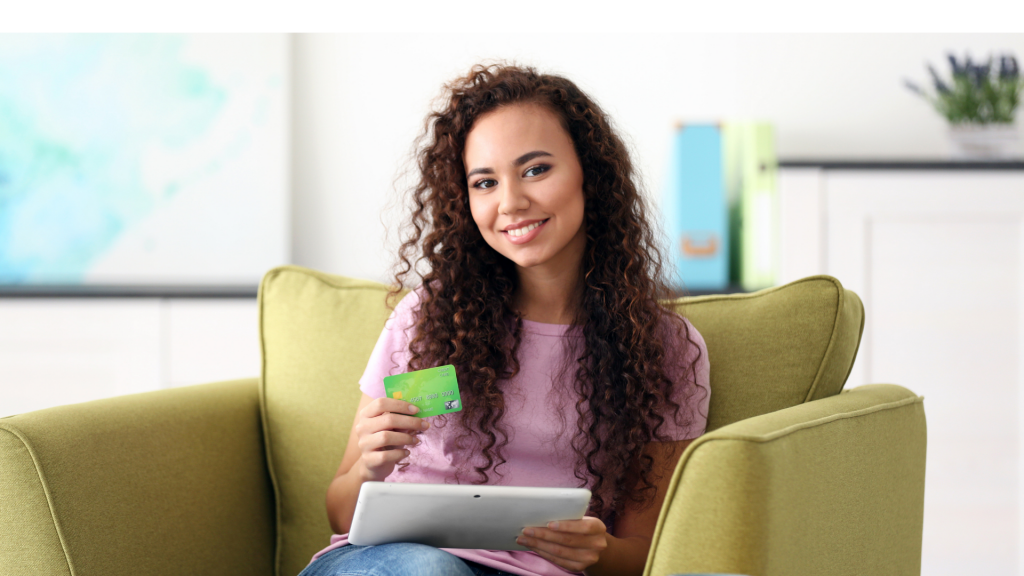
(390, 355)
(692, 386)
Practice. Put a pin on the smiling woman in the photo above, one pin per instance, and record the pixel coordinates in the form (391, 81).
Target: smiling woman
(543, 291)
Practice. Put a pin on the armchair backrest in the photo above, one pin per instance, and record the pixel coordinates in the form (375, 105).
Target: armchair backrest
(768, 350)
(778, 347)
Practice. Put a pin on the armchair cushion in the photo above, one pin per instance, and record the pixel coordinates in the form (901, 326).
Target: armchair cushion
(316, 333)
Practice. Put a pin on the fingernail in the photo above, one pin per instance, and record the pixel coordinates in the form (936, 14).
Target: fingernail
(528, 532)
(413, 409)
(425, 424)
(553, 525)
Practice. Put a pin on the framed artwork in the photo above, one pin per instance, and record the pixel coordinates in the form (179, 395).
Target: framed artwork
(143, 160)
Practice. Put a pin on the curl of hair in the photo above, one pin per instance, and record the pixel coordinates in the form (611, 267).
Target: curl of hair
(467, 316)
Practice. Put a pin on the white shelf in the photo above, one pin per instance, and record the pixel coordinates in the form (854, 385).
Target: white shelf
(56, 351)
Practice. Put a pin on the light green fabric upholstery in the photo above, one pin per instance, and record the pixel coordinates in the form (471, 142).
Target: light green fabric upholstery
(834, 486)
(776, 348)
(317, 332)
(793, 477)
(163, 483)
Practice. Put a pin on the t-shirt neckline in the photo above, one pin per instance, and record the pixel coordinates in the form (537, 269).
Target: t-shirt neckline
(545, 329)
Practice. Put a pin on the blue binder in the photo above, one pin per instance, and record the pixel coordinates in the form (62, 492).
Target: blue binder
(696, 209)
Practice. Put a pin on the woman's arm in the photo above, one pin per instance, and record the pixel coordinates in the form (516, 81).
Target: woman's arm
(628, 547)
(379, 433)
(585, 545)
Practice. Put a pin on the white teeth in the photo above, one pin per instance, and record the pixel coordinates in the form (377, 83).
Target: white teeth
(524, 230)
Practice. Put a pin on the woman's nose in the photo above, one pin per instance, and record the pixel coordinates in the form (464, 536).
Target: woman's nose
(513, 199)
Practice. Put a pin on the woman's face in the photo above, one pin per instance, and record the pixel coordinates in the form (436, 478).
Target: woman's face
(526, 187)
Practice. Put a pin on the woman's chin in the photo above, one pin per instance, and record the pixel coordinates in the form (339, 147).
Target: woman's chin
(525, 261)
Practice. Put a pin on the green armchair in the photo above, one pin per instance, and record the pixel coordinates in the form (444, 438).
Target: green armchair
(793, 477)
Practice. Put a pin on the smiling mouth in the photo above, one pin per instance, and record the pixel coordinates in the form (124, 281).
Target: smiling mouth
(517, 232)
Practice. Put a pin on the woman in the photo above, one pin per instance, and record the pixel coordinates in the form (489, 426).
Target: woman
(543, 291)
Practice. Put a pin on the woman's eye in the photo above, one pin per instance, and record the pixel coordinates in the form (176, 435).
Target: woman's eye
(484, 184)
(537, 170)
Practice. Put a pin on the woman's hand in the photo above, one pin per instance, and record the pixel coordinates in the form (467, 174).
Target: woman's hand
(383, 428)
(572, 544)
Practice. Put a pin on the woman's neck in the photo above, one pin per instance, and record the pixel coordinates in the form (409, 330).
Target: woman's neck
(550, 292)
(548, 295)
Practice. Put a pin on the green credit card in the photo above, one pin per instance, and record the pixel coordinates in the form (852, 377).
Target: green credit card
(434, 390)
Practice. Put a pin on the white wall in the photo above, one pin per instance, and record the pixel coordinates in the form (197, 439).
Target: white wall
(360, 100)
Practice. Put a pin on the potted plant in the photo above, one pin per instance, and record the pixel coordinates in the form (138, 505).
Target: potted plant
(980, 103)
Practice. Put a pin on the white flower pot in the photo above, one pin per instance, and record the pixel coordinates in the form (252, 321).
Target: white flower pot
(983, 141)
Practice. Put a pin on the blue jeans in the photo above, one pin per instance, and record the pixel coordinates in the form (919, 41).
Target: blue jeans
(399, 559)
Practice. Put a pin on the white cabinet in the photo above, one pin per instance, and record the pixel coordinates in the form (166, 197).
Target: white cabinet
(937, 255)
(57, 351)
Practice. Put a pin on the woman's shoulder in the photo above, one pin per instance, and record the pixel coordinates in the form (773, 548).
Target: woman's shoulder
(688, 366)
(403, 316)
(410, 302)
(676, 330)
(686, 353)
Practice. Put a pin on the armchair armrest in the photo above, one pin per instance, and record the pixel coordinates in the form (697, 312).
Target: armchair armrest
(833, 486)
(165, 483)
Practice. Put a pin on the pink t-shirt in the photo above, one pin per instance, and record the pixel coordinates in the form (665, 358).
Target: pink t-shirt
(539, 439)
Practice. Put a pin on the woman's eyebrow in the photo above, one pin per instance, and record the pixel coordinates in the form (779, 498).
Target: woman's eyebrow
(530, 156)
(518, 162)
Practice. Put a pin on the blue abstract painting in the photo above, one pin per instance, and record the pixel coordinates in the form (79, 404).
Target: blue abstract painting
(142, 158)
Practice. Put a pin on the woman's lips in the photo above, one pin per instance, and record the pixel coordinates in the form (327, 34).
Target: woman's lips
(528, 232)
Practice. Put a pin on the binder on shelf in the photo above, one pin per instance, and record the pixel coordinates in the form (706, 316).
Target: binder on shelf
(751, 188)
(696, 211)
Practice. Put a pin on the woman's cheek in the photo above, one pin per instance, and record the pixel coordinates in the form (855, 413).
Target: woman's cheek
(476, 212)
(484, 215)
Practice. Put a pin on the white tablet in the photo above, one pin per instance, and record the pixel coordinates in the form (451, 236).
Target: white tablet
(459, 516)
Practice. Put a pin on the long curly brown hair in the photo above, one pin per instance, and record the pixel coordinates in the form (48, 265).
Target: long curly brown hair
(467, 315)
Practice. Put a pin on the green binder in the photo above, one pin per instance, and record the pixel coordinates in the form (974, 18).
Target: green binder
(750, 167)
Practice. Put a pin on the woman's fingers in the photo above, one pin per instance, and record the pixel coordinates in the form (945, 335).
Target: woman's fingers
(386, 440)
(391, 421)
(572, 544)
(564, 539)
(585, 525)
(384, 405)
(383, 458)
(571, 565)
(389, 414)
(565, 556)
(385, 428)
